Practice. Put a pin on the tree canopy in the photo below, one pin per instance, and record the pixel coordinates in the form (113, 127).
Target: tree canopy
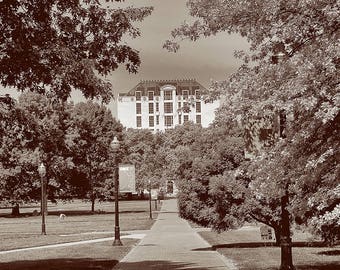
(292, 67)
(90, 131)
(56, 46)
(73, 141)
(18, 155)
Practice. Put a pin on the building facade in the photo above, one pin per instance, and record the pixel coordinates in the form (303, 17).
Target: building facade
(161, 104)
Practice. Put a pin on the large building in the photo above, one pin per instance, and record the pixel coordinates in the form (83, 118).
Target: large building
(161, 104)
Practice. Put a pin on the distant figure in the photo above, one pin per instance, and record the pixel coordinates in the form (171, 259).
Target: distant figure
(266, 232)
(62, 217)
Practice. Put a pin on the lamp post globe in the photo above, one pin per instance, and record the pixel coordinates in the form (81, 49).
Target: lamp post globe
(115, 146)
(42, 170)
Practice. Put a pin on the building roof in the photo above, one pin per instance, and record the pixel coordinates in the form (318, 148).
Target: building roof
(154, 85)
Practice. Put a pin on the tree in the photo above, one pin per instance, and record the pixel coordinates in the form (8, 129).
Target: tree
(203, 169)
(294, 62)
(90, 132)
(141, 148)
(18, 156)
(51, 117)
(56, 46)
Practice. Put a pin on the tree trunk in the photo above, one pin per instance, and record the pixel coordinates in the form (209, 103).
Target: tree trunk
(285, 241)
(277, 232)
(93, 199)
(15, 210)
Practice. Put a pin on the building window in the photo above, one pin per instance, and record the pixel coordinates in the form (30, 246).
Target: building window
(138, 108)
(185, 94)
(157, 107)
(151, 121)
(151, 108)
(139, 121)
(138, 95)
(198, 94)
(198, 119)
(186, 107)
(185, 118)
(168, 120)
(157, 119)
(179, 119)
(179, 105)
(168, 107)
(168, 95)
(198, 106)
(150, 95)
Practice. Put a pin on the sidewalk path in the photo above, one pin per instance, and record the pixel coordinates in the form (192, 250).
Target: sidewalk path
(172, 244)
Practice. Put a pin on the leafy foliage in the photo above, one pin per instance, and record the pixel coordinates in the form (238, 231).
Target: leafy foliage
(293, 67)
(55, 46)
(201, 160)
(142, 149)
(90, 131)
(18, 155)
(51, 117)
(72, 141)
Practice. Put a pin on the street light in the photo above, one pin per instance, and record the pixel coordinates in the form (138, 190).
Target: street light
(150, 199)
(42, 173)
(115, 146)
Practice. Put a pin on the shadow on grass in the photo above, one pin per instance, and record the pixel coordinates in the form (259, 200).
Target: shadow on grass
(72, 213)
(63, 263)
(170, 265)
(92, 264)
(330, 252)
(168, 212)
(319, 266)
(261, 244)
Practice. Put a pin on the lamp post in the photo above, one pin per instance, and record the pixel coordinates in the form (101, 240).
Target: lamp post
(115, 147)
(150, 199)
(42, 173)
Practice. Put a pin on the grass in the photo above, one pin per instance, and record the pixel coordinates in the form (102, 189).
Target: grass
(79, 224)
(248, 251)
(101, 256)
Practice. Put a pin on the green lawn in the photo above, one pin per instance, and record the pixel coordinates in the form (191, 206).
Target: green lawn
(248, 252)
(79, 224)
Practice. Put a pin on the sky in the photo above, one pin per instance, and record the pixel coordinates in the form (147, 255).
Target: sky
(208, 58)
(204, 60)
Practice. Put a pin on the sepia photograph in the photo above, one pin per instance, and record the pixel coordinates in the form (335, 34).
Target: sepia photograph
(169, 135)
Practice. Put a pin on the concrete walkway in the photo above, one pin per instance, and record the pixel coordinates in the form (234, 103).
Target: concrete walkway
(172, 244)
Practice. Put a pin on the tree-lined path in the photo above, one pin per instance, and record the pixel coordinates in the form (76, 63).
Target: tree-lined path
(172, 244)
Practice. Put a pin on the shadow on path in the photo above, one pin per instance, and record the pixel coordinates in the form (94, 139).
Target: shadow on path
(157, 265)
(62, 263)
